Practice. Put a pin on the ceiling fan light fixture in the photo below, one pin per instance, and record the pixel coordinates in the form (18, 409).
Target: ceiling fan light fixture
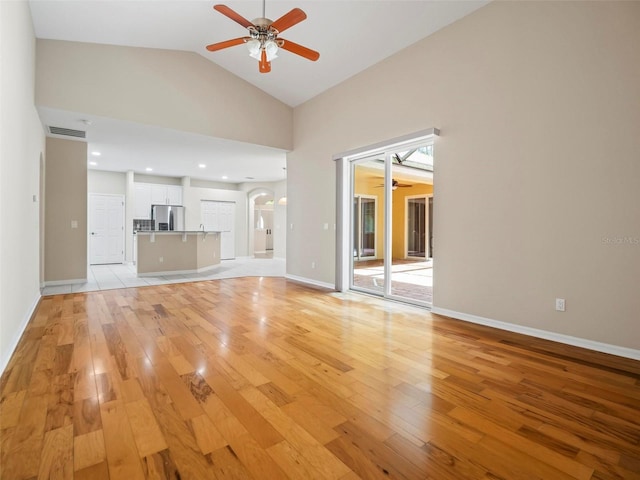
(263, 42)
(253, 46)
(271, 47)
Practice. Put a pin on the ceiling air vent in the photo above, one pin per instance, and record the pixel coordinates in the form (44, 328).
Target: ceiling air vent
(67, 132)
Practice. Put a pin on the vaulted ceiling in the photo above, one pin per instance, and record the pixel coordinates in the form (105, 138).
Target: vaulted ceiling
(351, 35)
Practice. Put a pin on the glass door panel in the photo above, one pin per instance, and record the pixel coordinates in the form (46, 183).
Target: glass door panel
(367, 237)
(410, 275)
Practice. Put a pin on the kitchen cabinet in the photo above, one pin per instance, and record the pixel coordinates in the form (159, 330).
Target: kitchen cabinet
(147, 194)
(142, 201)
(174, 194)
(166, 195)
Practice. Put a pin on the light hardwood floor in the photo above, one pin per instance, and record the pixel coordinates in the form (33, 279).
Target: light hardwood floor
(263, 378)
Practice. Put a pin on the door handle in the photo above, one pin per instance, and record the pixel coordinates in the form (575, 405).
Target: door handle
(93, 233)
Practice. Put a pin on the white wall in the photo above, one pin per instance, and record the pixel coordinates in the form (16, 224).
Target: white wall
(107, 183)
(21, 144)
(536, 176)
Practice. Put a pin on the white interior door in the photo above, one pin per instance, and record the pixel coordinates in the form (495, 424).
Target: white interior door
(220, 216)
(106, 229)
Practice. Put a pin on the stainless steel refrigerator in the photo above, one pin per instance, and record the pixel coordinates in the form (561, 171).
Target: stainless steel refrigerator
(168, 217)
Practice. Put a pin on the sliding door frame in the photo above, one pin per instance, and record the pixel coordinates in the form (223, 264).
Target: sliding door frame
(344, 204)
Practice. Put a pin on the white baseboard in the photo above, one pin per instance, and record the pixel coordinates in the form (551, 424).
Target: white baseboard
(310, 281)
(55, 283)
(6, 355)
(544, 334)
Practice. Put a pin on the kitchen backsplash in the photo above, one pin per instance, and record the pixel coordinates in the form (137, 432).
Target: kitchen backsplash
(143, 224)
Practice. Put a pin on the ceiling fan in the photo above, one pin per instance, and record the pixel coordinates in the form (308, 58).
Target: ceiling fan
(263, 41)
(395, 184)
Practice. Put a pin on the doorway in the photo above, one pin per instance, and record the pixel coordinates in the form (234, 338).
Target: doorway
(263, 221)
(389, 222)
(419, 226)
(106, 229)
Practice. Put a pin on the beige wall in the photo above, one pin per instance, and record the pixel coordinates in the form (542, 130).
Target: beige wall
(21, 146)
(197, 252)
(66, 202)
(536, 167)
(166, 88)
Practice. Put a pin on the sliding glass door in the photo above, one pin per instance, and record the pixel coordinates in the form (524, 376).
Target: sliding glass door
(391, 223)
(367, 239)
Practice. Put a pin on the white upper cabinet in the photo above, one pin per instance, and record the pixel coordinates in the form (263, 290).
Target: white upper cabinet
(147, 194)
(159, 195)
(142, 201)
(174, 194)
(166, 194)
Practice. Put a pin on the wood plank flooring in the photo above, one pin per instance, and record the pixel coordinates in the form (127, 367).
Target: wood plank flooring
(263, 378)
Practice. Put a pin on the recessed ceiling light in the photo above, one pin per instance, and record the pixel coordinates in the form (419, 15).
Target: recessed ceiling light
(93, 164)
(149, 169)
(96, 154)
(202, 165)
(224, 177)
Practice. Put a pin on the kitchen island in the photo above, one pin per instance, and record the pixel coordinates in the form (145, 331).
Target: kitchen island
(176, 252)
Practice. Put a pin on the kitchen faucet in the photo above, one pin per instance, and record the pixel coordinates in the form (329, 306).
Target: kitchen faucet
(202, 226)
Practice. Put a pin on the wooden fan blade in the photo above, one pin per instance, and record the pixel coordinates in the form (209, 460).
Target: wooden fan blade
(236, 17)
(214, 47)
(288, 20)
(264, 66)
(299, 50)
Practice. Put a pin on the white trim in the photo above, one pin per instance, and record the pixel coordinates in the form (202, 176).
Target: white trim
(544, 334)
(310, 281)
(6, 355)
(74, 281)
(418, 137)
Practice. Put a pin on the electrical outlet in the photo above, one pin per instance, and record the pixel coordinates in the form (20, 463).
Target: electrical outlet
(161, 259)
(313, 264)
(560, 306)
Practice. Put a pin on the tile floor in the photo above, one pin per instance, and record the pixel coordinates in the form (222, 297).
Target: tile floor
(107, 277)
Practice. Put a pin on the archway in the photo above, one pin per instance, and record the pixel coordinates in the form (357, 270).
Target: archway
(261, 222)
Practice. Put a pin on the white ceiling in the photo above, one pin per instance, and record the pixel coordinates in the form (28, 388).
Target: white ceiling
(351, 35)
(127, 146)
